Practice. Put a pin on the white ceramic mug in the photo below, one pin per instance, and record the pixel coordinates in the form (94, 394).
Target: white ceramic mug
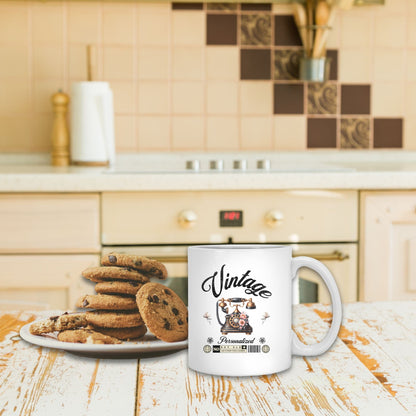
(240, 309)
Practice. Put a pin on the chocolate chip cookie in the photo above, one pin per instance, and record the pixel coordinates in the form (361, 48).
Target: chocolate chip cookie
(107, 302)
(114, 319)
(59, 323)
(86, 336)
(118, 288)
(103, 274)
(163, 312)
(149, 267)
(122, 333)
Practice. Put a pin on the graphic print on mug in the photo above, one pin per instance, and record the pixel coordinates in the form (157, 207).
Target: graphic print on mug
(240, 301)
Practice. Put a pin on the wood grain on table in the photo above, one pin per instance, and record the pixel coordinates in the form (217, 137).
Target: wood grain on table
(370, 370)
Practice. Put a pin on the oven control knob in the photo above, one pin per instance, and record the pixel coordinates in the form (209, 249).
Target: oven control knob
(187, 218)
(274, 218)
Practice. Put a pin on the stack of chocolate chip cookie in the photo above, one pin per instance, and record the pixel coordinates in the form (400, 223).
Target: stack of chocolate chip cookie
(114, 310)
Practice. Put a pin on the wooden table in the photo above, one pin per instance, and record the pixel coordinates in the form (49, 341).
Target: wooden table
(370, 370)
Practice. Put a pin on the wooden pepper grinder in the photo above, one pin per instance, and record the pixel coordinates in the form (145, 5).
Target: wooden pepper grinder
(60, 135)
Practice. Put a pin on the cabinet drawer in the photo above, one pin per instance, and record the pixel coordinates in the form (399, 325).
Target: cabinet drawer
(49, 223)
(52, 280)
(153, 217)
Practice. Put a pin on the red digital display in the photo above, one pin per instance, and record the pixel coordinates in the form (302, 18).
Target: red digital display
(231, 218)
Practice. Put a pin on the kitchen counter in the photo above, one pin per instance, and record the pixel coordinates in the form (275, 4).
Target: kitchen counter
(363, 170)
(370, 370)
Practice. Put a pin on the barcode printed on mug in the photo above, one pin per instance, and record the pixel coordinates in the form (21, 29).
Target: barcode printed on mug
(253, 348)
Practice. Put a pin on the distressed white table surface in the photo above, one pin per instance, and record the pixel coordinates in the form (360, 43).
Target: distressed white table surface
(370, 370)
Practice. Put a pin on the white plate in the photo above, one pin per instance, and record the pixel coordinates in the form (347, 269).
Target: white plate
(146, 345)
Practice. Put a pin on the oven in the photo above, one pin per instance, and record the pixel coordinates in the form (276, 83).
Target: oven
(161, 225)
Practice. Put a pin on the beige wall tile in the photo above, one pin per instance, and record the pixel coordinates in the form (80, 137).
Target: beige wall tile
(388, 64)
(356, 31)
(15, 98)
(222, 133)
(411, 100)
(14, 27)
(17, 58)
(124, 97)
(48, 23)
(125, 133)
(154, 7)
(187, 133)
(390, 7)
(153, 29)
(42, 132)
(411, 33)
(188, 28)
(16, 134)
(256, 133)
(187, 97)
(411, 65)
(355, 65)
(290, 132)
(48, 62)
(256, 97)
(187, 63)
(118, 23)
(83, 22)
(409, 139)
(42, 93)
(153, 63)
(222, 97)
(222, 63)
(387, 99)
(153, 97)
(118, 63)
(334, 37)
(390, 31)
(282, 8)
(77, 62)
(153, 133)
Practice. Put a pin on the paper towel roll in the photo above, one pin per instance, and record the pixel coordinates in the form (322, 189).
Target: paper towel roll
(92, 123)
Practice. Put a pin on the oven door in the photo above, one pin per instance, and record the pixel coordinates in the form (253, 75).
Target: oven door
(341, 260)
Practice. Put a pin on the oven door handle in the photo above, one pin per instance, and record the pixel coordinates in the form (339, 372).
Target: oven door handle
(334, 256)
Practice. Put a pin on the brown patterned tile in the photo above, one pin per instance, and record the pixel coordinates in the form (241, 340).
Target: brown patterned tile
(286, 64)
(187, 6)
(256, 29)
(285, 31)
(288, 98)
(322, 133)
(388, 132)
(322, 98)
(221, 29)
(333, 68)
(222, 6)
(255, 64)
(355, 99)
(355, 133)
(256, 6)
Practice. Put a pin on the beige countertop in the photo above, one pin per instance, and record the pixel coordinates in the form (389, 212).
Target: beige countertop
(166, 171)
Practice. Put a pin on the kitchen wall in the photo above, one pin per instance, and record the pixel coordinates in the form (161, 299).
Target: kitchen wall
(210, 77)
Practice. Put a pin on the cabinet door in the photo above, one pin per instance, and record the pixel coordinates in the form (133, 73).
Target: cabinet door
(45, 281)
(388, 246)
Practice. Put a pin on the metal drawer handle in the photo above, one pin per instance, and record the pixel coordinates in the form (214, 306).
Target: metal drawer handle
(334, 256)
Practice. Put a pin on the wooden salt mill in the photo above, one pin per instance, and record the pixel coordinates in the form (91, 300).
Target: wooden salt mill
(60, 134)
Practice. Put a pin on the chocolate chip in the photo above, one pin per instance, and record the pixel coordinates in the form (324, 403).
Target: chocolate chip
(85, 303)
(135, 284)
(180, 322)
(138, 263)
(112, 259)
(150, 299)
(175, 311)
(153, 270)
(186, 319)
(167, 325)
(164, 302)
(167, 291)
(54, 318)
(155, 299)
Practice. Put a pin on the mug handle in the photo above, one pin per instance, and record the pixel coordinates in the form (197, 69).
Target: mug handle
(298, 347)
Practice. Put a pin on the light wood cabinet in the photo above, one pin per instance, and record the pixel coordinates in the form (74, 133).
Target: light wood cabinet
(388, 246)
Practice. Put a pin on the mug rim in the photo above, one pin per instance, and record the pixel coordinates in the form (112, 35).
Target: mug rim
(239, 246)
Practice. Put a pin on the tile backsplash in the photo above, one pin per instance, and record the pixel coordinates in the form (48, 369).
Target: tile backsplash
(218, 76)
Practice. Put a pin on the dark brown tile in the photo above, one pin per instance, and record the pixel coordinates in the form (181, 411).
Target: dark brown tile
(355, 133)
(355, 99)
(285, 31)
(187, 6)
(333, 71)
(255, 64)
(288, 98)
(322, 132)
(256, 29)
(388, 132)
(221, 29)
(286, 64)
(222, 6)
(322, 98)
(256, 6)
